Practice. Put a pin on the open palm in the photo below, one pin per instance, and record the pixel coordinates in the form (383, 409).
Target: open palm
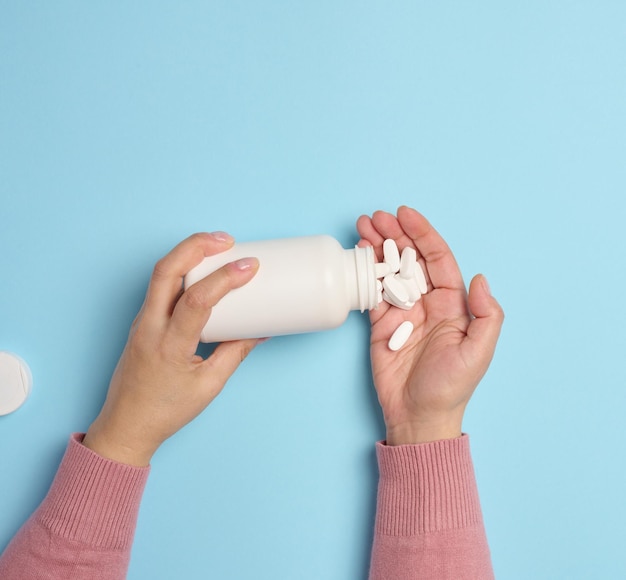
(424, 387)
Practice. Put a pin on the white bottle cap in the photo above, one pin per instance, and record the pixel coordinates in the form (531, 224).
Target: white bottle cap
(16, 381)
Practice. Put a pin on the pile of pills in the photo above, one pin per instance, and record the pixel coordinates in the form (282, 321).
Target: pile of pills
(401, 283)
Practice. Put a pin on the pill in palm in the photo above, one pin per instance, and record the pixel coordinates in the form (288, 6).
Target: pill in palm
(400, 336)
(408, 259)
(382, 269)
(420, 278)
(405, 280)
(395, 288)
(406, 305)
(391, 255)
(412, 288)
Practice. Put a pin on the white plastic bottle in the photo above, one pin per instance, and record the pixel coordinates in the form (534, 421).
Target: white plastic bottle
(303, 284)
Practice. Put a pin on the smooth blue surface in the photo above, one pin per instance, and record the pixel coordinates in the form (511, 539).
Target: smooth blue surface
(125, 128)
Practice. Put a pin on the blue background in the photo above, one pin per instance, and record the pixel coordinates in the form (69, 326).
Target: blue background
(124, 127)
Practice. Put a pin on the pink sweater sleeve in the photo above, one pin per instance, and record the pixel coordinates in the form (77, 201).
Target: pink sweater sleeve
(428, 521)
(84, 528)
(429, 524)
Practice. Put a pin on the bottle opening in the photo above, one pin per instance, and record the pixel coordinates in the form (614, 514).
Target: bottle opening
(363, 279)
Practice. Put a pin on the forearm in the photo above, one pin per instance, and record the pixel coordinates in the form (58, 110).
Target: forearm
(429, 523)
(84, 528)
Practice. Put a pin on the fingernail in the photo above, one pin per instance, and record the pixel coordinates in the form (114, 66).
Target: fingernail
(222, 237)
(245, 264)
(486, 285)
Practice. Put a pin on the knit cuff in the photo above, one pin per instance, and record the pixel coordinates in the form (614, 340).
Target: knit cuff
(427, 487)
(94, 500)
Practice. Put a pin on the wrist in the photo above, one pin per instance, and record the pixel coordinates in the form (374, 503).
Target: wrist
(116, 448)
(416, 433)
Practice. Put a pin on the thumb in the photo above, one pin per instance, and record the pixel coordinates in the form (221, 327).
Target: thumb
(484, 330)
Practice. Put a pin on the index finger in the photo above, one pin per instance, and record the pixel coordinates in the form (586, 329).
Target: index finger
(167, 277)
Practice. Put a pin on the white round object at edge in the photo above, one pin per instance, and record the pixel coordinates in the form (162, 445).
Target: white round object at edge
(16, 382)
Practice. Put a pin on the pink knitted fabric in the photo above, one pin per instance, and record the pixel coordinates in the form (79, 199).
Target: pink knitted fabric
(84, 528)
(428, 519)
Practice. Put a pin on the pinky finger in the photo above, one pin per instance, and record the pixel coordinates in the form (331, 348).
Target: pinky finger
(368, 231)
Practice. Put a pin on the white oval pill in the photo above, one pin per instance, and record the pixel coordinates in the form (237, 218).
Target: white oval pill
(400, 336)
(420, 278)
(381, 269)
(408, 259)
(391, 255)
(403, 305)
(388, 299)
(391, 300)
(411, 288)
(394, 288)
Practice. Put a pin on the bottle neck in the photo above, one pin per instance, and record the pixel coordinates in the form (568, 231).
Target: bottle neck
(361, 278)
